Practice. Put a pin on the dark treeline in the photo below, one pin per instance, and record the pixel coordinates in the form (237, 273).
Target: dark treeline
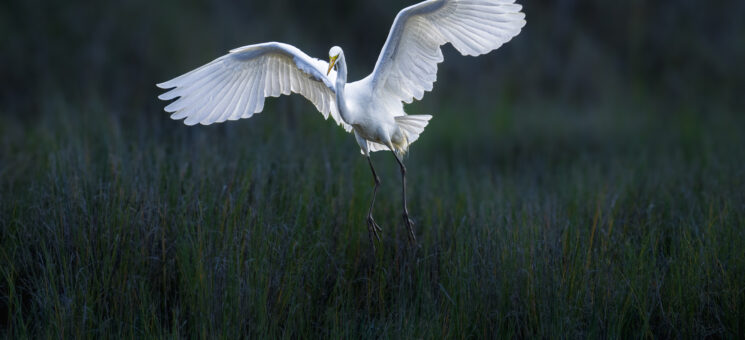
(575, 52)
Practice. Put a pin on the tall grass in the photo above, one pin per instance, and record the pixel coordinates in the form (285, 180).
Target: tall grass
(533, 223)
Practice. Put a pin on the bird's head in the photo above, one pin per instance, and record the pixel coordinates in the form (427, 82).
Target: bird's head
(334, 54)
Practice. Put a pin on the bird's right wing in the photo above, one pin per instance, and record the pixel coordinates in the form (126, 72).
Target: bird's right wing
(235, 85)
(407, 65)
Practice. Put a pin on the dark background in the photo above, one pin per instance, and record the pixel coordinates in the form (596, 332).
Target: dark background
(585, 180)
(578, 53)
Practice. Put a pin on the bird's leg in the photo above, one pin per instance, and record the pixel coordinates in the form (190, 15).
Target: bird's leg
(409, 223)
(372, 227)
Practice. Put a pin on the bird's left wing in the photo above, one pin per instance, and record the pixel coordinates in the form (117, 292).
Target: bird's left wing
(407, 65)
(235, 85)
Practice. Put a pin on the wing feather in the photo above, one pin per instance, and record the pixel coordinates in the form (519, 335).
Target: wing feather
(240, 102)
(223, 96)
(235, 85)
(223, 110)
(407, 65)
(236, 98)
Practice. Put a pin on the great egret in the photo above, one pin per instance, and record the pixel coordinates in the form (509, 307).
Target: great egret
(234, 86)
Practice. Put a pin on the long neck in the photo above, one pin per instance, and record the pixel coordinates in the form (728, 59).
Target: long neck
(341, 83)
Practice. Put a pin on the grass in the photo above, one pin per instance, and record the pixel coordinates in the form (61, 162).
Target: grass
(532, 222)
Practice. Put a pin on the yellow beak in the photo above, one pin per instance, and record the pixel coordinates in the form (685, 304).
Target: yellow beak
(332, 62)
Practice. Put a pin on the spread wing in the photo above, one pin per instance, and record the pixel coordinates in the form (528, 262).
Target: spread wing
(407, 65)
(235, 85)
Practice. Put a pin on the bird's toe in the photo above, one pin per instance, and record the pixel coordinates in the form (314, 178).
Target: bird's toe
(373, 228)
(410, 227)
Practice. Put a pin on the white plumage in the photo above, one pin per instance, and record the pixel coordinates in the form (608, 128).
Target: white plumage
(235, 86)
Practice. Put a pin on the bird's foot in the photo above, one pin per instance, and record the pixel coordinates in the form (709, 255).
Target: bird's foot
(410, 227)
(373, 229)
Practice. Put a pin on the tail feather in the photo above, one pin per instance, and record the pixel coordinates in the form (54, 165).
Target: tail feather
(412, 126)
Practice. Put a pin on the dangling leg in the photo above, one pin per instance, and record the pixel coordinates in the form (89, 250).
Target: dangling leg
(409, 223)
(372, 227)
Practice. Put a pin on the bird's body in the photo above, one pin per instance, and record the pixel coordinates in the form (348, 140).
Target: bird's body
(373, 120)
(234, 86)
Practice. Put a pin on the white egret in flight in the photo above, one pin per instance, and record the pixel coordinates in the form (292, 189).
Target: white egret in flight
(234, 86)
